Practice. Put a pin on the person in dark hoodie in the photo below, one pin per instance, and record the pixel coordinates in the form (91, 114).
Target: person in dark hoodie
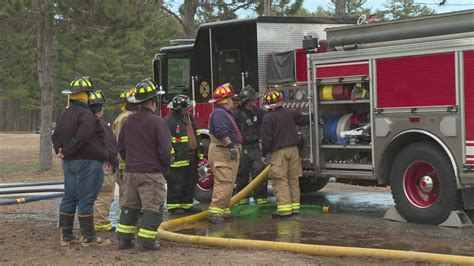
(145, 145)
(249, 119)
(79, 141)
(280, 140)
(106, 195)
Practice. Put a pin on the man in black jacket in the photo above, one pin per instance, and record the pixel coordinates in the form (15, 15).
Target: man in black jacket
(144, 143)
(185, 152)
(280, 139)
(79, 140)
(249, 119)
(106, 195)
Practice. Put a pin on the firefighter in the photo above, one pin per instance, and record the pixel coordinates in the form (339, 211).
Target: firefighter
(106, 195)
(185, 153)
(127, 108)
(79, 141)
(280, 138)
(224, 153)
(249, 119)
(144, 143)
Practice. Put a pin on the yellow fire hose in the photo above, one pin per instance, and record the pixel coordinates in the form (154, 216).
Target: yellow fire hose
(319, 250)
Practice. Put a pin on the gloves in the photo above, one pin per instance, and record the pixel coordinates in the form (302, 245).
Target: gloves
(232, 151)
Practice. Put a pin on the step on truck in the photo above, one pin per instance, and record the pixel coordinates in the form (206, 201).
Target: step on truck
(392, 103)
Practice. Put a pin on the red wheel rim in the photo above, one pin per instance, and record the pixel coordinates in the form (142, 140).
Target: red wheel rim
(421, 184)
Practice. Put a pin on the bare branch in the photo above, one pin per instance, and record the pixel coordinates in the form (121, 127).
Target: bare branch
(167, 10)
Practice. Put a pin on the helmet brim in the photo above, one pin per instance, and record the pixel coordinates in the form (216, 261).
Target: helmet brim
(133, 99)
(69, 91)
(171, 106)
(273, 105)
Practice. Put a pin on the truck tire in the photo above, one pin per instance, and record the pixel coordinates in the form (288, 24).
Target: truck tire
(309, 186)
(423, 184)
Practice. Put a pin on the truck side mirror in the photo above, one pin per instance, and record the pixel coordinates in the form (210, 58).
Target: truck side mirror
(157, 70)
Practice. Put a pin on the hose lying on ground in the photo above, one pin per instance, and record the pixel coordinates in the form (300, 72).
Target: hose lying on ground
(32, 184)
(320, 250)
(31, 199)
(34, 190)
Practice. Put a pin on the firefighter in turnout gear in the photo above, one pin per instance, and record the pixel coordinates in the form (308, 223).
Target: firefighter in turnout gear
(127, 109)
(185, 153)
(249, 119)
(280, 138)
(224, 153)
(144, 144)
(106, 195)
(78, 140)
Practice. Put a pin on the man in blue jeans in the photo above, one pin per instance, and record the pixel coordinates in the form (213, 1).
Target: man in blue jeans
(79, 140)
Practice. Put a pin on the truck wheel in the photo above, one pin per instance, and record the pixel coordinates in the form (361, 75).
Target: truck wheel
(423, 184)
(309, 186)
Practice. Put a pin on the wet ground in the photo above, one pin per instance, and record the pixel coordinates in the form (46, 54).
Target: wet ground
(355, 219)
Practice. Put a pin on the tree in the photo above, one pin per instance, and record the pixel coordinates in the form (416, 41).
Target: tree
(397, 9)
(349, 8)
(340, 8)
(73, 38)
(43, 12)
(192, 11)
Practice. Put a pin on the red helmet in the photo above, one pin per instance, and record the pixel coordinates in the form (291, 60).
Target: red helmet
(272, 99)
(206, 179)
(222, 91)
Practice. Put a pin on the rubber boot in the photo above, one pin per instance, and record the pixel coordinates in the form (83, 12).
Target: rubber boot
(277, 215)
(125, 244)
(89, 236)
(191, 210)
(215, 218)
(66, 225)
(147, 244)
(227, 214)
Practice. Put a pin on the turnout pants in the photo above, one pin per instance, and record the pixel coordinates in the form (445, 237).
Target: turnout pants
(285, 170)
(181, 184)
(141, 191)
(102, 204)
(251, 163)
(225, 172)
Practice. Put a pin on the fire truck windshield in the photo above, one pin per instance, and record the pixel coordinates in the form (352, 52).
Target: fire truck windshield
(178, 75)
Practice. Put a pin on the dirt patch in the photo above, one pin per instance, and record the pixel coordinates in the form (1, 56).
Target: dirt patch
(19, 160)
(37, 242)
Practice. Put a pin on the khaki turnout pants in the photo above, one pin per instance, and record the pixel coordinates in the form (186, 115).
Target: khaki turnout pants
(224, 171)
(103, 202)
(285, 170)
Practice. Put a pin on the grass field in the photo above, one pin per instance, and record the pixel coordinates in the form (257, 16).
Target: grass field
(19, 159)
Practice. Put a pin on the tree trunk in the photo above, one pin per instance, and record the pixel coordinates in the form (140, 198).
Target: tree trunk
(340, 8)
(189, 12)
(45, 42)
(267, 7)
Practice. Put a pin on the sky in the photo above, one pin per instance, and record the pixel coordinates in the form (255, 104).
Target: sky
(451, 5)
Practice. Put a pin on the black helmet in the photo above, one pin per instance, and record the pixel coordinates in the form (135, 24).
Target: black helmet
(78, 85)
(181, 102)
(126, 94)
(96, 97)
(145, 90)
(247, 94)
(96, 101)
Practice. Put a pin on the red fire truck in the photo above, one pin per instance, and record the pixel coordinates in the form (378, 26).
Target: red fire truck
(392, 102)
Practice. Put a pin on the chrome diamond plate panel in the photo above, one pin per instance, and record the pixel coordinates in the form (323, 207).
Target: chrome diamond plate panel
(280, 37)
